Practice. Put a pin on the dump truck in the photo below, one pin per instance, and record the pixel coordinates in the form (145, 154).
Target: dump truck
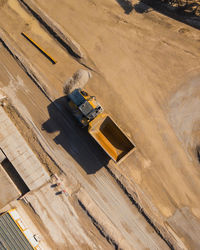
(88, 112)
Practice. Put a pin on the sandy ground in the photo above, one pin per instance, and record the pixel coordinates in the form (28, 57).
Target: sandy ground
(148, 80)
(104, 192)
(145, 60)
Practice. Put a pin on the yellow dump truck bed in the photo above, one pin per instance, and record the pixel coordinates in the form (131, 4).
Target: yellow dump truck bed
(110, 137)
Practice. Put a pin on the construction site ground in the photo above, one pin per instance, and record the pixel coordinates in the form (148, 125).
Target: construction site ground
(146, 75)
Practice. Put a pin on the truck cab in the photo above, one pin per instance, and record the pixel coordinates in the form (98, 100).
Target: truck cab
(83, 106)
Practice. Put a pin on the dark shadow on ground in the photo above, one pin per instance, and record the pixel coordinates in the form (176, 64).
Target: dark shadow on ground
(126, 5)
(180, 13)
(198, 153)
(141, 8)
(74, 139)
(15, 177)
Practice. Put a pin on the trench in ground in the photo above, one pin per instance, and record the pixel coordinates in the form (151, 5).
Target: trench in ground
(15, 177)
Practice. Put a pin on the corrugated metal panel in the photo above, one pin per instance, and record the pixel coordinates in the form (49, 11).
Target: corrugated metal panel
(10, 235)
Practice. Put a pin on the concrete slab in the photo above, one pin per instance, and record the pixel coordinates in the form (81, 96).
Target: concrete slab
(9, 191)
(20, 155)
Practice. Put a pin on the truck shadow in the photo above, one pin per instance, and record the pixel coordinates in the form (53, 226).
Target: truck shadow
(75, 140)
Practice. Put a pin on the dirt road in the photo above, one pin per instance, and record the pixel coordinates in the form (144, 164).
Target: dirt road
(148, 67)
(146, 61)
(135, 232)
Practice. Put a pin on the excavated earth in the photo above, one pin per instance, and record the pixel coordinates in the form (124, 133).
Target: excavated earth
(146, 75)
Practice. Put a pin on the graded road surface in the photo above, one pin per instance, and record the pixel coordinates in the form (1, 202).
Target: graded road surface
(149, 66)
(133, 229)
(148, 80)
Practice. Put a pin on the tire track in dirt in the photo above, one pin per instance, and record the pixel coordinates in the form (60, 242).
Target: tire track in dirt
(56, 31)
(39, 81)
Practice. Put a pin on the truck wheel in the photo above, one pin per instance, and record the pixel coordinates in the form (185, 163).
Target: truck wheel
(78, 80)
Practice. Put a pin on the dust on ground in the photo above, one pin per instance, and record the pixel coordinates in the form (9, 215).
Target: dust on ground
(141, 60)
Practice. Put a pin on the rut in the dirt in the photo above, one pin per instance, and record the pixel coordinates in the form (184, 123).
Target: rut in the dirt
(140, 210)
(99, 227)
(71, 46)
(35, 79)
(52, 32)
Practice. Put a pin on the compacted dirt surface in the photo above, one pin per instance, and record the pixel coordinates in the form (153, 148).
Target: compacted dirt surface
(146, 75)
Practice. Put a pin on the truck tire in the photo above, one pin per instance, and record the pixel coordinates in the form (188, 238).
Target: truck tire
(78, 80)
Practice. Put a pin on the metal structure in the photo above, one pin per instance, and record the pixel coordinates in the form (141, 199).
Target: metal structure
(38, 47)
(14, 234)
(101, 127)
